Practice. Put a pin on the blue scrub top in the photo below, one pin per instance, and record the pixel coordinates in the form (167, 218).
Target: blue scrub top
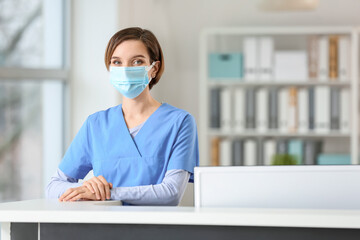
(168, 140)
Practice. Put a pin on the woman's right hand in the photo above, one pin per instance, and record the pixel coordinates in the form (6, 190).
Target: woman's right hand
(100, 187)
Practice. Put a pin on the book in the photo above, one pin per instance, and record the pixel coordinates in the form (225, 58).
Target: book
(239, 109)
(311, 150)
(335, 109)
(225, 114)
(333, 57)
(262, 110)
(334, 159)
(291, 66)
(345, 117)
(303, 110)
(283, 104)
(250, 147)
(225, 152)
(293, 110)
(344, 58)
(313, 56)
(311, 108)
(250, 58)
(269, 151)
(250, 108)
(266, 58)
(296, 149)
(322, 109)
(215, 151)
(323, 71)
(215, 108)
(238, 152)
(273, 108)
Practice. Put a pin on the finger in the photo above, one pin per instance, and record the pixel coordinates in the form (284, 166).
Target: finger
(106, 185)
(77, 197)
(76, 192)
(89, 186)
(101, 188)
(111, 185)
(95, 187)
(66, 193)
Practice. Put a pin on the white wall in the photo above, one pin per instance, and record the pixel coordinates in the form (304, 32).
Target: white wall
(93, 24)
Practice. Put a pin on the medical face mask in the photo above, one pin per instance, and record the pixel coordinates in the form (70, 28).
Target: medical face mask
(130, 81)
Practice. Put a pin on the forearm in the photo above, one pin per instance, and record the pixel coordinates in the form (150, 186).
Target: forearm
(169, 192)
(59, 184)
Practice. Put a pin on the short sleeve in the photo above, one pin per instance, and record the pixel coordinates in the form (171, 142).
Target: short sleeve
(185, 150)
(77, 160)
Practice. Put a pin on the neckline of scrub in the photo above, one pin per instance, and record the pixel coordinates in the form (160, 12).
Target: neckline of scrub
(144, 123)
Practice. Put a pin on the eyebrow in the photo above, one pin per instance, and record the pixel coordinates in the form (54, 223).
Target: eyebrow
(136, 56)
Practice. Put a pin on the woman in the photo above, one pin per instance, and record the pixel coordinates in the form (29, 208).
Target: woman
(142, 152)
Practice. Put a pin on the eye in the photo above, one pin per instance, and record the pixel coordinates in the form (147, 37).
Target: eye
(115, 62)
(138, 62)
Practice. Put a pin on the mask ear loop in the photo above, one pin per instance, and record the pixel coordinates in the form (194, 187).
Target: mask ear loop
(148, 69)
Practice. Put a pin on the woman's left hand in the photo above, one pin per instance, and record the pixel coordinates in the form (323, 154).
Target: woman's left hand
(78, 193)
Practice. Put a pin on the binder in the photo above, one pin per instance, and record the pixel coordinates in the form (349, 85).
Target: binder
(239, 109)
(303, 107)
(344, 59)
(238, 152)
(262, 110)
(335, 109)
(333, 57)
(273, 108)
(293, 110)
(250, 158)
(215, 151)
(313, 56)
(251, 58)
(225, 152)
(312, 108)
(269, 151)
(323, 71)
(266, 58)
(311, 150)
(345, 117)
(250, 108)
(215, 108)
(282, 146)
(322, 109)
(226, 103)
(283, 103)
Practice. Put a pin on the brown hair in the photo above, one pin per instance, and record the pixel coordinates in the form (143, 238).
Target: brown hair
(146, 37)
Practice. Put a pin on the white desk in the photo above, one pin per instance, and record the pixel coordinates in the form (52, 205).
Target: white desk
(49, 217)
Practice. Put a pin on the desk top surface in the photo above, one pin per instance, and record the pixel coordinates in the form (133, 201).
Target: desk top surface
(43, 210)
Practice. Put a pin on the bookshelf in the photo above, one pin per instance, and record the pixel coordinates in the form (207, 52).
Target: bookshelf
(231, 39)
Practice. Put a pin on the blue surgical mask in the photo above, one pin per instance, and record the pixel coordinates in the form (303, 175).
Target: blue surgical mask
(130, 81)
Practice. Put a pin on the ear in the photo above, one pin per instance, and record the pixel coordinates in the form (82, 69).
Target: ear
(155, 68)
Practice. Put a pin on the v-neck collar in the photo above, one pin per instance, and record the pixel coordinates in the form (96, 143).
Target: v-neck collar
(127, 134)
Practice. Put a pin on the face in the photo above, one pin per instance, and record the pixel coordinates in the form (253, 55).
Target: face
(132, 53)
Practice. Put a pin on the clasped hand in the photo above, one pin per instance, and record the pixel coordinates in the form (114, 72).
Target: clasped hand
(97, 188)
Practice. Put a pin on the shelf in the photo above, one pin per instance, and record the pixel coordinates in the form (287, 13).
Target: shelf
(242, 83)
(266, 30)
(208, 41)
(275, 134)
